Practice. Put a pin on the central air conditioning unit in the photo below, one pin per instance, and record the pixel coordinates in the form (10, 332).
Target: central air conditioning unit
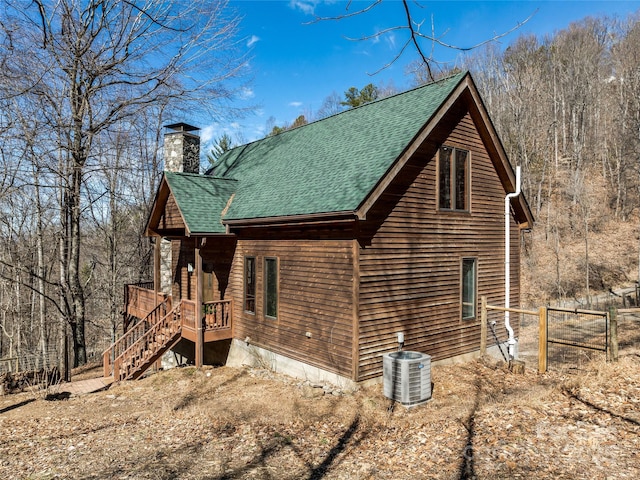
(407, 377)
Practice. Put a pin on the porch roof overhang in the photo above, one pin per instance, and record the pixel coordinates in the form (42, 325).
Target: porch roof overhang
(190, 205)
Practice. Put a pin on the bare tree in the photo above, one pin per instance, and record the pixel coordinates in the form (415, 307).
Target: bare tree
(331, 105)
(567, 110)
(94, 66)
(415, 36)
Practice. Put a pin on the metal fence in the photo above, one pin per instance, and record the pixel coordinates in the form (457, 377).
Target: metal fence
(29, 362)
(574, 337)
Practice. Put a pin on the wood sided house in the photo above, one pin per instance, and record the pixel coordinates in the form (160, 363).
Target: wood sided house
(310, 250)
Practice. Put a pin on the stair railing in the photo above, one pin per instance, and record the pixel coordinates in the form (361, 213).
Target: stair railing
(133, 334)
(140, 355)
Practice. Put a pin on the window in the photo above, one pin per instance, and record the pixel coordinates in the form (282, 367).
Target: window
(250, 284)
(469, 284)
(271, 287)
(453, 182)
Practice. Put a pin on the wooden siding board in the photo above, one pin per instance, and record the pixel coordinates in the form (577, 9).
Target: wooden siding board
(171, 217)
(315, 296)
(410, 258)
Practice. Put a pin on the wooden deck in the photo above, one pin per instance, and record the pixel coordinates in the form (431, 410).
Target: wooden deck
(160, 328)
(82, 387)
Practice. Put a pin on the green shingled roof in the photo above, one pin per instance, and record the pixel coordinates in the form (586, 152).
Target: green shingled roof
(201, 200)
(330, 165)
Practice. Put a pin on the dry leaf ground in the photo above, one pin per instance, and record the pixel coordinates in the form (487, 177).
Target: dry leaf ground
(229, 423)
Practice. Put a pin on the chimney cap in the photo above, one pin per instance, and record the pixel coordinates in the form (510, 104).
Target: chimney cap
(182, 127)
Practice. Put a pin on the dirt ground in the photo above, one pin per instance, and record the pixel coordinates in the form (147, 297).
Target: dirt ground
(242, 423)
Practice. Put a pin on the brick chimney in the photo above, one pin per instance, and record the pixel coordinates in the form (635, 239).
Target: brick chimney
(181, 148)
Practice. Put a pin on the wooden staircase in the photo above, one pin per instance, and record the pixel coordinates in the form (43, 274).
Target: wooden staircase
(144, 344)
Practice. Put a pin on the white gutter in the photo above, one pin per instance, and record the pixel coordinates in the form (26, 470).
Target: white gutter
(511, 342)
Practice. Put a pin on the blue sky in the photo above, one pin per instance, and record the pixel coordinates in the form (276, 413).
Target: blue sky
(295, 65)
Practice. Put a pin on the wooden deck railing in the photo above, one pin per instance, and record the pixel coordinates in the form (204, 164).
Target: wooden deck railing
(189, 313)
(217, 315)
(140, 299)
(130, 355)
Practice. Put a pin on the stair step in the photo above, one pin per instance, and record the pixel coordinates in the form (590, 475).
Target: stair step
(149, 347)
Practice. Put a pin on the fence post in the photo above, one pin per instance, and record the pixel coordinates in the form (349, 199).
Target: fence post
(542, 341)
(483, 325)
(613, 334)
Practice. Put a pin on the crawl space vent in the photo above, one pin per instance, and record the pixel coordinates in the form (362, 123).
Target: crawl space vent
(407, 377)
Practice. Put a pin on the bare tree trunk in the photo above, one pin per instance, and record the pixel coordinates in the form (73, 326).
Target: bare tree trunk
(75, 284)
(586, 259)
(41, 269)
(76, 73)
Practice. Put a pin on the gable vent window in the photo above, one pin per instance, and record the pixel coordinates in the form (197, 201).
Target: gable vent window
(453, 179)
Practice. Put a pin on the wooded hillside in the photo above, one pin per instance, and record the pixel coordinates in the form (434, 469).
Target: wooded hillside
(567, 109)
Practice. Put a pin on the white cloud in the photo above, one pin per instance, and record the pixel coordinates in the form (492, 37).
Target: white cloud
(295, 104)
(254, 39)
(247, 93)
(211, 133)
(391, 41)
(208, 133)
(307, 7)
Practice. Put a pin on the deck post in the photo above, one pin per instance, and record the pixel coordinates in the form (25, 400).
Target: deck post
(156, 266)
(198, 313)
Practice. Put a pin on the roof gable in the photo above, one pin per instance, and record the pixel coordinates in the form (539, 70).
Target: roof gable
(339, 166)
(201, 201)
(331, 165)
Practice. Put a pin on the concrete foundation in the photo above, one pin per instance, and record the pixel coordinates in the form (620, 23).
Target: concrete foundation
(237, 353)
(242, 353)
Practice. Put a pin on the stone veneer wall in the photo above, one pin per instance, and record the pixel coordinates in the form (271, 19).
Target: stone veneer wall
(181, 154)
(166, 281)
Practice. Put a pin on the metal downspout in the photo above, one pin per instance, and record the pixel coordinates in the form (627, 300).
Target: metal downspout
(511, 342)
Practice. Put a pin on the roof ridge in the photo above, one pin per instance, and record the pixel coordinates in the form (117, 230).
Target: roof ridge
(379, 100)
(462, 73)
(230, 158)
(201, 175)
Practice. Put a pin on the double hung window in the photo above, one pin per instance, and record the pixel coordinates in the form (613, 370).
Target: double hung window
(269, 307)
